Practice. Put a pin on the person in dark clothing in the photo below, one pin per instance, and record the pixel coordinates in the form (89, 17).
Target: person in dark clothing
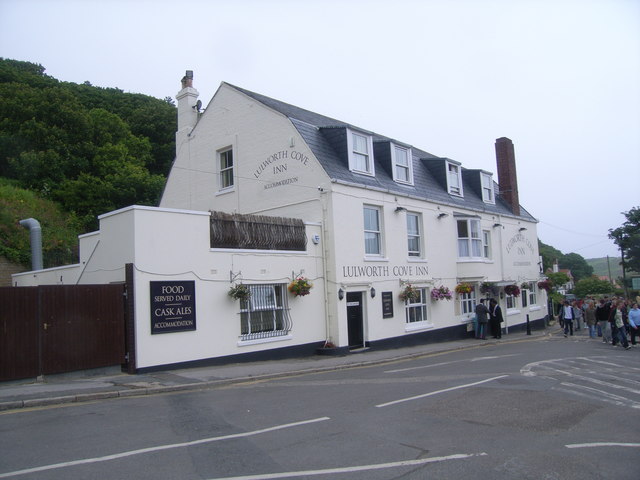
(567, 315)
(495, 318)
(615, 337)
(602, 316)
(482, 313)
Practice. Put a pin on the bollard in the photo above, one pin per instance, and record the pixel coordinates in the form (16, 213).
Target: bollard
(528, 326)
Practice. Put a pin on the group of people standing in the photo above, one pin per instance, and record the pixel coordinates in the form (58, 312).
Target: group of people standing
(490, 316)
(616, 320)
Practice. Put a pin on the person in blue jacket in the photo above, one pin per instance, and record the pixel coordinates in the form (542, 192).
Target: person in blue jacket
(634, 323)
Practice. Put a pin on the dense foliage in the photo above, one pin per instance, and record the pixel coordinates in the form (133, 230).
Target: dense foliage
(592, 286)
(571, 261)
(627, 237)
(90, 149)
(59, 229)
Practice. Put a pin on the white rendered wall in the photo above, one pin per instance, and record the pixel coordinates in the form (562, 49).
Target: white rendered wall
(272, 164)
(175, 246)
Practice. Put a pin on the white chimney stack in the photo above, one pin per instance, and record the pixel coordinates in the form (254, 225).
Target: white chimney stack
(187, 108)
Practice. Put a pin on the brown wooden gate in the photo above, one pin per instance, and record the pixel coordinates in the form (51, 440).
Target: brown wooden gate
(60, 328)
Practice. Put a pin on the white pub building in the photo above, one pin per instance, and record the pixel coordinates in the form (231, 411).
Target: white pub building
(265, 199)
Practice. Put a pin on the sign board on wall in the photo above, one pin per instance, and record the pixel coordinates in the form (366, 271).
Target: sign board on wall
(387, 304)
(173, 306)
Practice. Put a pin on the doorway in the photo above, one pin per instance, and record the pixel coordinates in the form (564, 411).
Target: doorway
(355, 320)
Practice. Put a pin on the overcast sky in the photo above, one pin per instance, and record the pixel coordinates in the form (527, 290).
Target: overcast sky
(561, 78)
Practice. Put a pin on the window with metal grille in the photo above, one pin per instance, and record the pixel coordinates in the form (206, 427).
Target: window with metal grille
(265, 313)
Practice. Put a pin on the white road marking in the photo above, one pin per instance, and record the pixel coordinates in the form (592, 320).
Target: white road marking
(359, 468)
(477, 359)
(602, 395)
(602, 444)
(116, 456)
(424, 395)
(424, 366)
(596, 383)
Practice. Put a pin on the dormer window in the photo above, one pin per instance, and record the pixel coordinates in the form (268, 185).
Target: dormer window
(454, 179)
(402, 164)
(488, 195)
(360, 153)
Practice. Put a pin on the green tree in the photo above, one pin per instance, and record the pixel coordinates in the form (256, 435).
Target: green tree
(627, 237)
(577, 264)
(558, 279)
(549, 255)
(592, 286)
(91, 149)
(59, 229)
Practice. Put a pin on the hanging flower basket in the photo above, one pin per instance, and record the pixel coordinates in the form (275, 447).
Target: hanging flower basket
(300, 287)
(441, 293)
(463, 288)
(410, 293)
(545, 285)
(512, 290)
(489, 288)
(239, 291)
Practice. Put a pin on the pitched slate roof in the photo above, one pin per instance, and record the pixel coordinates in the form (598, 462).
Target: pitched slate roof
(323, 136)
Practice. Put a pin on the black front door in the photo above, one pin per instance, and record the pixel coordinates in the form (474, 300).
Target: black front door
(355, 320)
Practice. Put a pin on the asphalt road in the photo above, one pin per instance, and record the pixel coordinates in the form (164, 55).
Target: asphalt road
(554, 408)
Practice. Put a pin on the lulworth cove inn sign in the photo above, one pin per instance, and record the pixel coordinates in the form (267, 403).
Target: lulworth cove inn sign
(371, 271)
(278, 164)
(519, 244)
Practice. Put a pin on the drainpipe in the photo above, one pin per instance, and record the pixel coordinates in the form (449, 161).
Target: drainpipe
(36, 241)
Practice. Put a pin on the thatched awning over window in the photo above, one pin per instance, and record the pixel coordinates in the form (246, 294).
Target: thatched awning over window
(257, 232)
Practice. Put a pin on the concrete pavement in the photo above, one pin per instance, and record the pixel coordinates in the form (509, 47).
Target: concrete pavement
(111, 383)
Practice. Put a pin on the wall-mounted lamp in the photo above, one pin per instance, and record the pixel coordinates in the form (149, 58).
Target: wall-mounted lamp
(373, 292)
(496, 225)
(340, 294)
(442, 215)
(400, 209)
(522, 229)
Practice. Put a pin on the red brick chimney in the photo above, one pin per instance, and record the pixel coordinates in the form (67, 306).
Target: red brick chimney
(507, 177)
